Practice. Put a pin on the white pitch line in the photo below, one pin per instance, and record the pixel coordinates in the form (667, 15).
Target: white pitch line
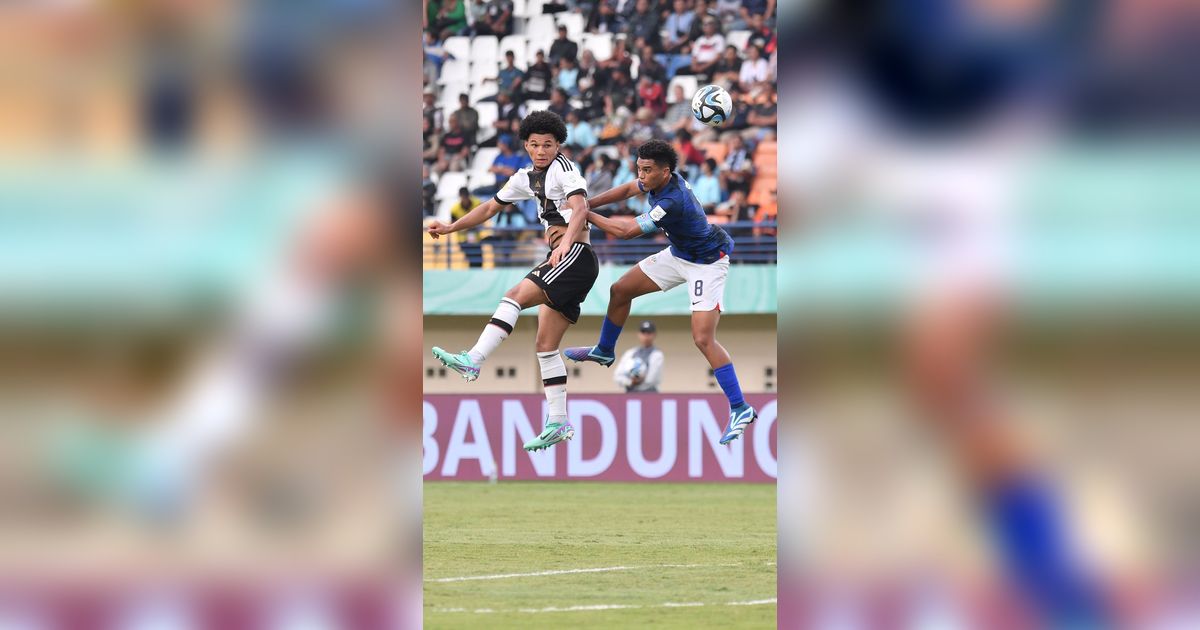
(504, 576)
(594, 607)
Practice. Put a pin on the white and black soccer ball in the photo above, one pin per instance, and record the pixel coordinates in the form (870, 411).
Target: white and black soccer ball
(712, 105)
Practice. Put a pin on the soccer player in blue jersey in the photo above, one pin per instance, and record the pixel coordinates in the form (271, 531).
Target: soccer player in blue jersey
(698, 257)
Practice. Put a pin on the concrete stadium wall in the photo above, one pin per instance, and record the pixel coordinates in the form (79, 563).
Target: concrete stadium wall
(749, 338)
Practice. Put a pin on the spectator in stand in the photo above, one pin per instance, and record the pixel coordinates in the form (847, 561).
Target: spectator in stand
(620, 58)
(568, 76)
(761, 9)
(754, 69)
(563, 47)
(649, 66)
(707, 187)
(701, 12)
(729, 68)
(476, 14)
(580, 135)
(429, 107)
(764, 116)
(737, 210)
(428, 192)
(497, 20)
(767, 213)
(508, 114)
(537, 79)
(611, 16)
(507, 162)
(452, 16)
(644, 127)
(468, 118)
(738, 170)
(706, 50)
(431, 143)
(644, 23)
(678, 27)
(467, 240)
(690, 157)
(558, 103)
(435, 56)
(510, 77)
(589, 69)
(621, 94)
(600, 173)
(743, 103)
(761, 35)
(650, 94)
(730, 14)
(455, 149)
(679, 114)
(591, 100)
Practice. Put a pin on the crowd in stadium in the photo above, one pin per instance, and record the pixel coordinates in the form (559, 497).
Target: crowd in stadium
(619, 72)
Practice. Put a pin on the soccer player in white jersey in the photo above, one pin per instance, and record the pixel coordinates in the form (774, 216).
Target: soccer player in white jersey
(557, 286)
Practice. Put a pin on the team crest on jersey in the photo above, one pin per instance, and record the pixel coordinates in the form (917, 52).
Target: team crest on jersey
(657, 213)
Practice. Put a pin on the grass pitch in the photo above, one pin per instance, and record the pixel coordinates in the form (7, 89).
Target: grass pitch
(668, 555)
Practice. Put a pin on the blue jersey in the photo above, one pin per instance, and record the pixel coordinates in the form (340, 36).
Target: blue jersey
(674, 209)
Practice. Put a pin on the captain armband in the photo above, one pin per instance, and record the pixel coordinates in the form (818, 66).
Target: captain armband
(646, 223)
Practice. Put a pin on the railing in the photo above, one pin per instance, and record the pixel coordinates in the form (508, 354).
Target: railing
(754, 243)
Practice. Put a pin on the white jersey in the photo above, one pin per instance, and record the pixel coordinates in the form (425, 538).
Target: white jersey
(551, 187)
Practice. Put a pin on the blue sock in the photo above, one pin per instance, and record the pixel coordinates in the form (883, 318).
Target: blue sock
(1028, 529)
(727, 379)
(608, 336)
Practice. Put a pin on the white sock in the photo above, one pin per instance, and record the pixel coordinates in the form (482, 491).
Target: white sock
(497, 330)
(554, 381)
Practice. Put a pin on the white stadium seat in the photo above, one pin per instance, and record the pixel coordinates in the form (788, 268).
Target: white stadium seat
(633, 67)
(488, 113)
(601, 45)
(475, 180)
(574, 22)
(482, 71)
(459, 47)
(541, 27)
(516, 43)
(444, 206)
(738, 39)
(519, 8)
(480, 91)
(449, 184)
(689, 83)
(533, 106)
(450, 94)
(483, 160)
(533, 7)
(485, 49)
(455, 71)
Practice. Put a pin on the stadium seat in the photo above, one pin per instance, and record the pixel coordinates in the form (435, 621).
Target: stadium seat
(541, 27)
(533, 106)
(689, 83)
(475, 180)
(715, 150)
(459, 47)
(533, 7)
(516, 43)
(480, 72)
(483, 90)
(765, 164)
(738, 39)
(485, 50)
(483, 160)
(759, 190)
(488, 113)
(574, 22)
(633, 67)
(601, 45)
(518, 8)
(444, 205)
(449, 184)
(455, 71)
(606, 149)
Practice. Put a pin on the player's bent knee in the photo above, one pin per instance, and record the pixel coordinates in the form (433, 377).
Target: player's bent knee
(704, 342)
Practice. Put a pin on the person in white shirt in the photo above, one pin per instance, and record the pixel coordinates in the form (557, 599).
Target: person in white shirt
(707, 48)
(640, 368)
(755, 69)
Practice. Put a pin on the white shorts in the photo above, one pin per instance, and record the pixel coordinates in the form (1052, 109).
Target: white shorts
(705, 283)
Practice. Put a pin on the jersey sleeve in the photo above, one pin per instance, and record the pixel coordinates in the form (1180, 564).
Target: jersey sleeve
(515, 189)
(566, 180)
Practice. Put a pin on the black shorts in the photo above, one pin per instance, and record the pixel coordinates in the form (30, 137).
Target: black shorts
(568, 284)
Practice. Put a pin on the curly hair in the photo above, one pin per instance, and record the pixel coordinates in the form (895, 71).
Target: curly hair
(659, 151)
(543, 121)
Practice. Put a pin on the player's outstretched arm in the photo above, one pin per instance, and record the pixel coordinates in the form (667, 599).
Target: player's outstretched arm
(620, 227)
(477, 215)
(613, 195)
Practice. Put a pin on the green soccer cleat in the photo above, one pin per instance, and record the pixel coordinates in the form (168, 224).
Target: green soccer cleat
(460, 363)
(554, 433)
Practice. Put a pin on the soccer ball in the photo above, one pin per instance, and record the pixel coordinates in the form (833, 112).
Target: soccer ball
(712, 105)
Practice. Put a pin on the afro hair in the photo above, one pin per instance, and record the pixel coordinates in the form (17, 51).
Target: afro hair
(543, 121)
